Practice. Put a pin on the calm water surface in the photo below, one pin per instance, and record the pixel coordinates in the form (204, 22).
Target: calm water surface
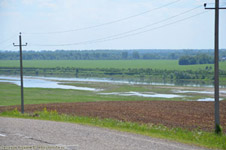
(33, 82)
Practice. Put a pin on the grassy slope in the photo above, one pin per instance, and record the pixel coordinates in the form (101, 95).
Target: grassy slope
(154, 64)
(200, 138)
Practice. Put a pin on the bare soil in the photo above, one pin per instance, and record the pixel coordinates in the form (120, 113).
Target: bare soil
(189, 115)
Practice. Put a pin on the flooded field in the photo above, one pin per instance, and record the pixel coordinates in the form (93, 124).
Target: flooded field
(110, 88)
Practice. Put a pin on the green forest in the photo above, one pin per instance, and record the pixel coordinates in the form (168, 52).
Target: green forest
(198, 59)
(107, 54)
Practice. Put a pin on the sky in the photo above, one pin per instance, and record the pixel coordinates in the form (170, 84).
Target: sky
(109, 24)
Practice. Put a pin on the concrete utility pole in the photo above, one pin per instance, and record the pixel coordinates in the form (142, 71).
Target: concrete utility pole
(21, 72)
(216, 64)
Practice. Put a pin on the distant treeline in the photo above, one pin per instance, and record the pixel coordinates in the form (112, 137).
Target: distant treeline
(105, 54)
(198, 59)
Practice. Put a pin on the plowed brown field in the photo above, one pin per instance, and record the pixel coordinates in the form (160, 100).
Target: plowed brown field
(188, 114)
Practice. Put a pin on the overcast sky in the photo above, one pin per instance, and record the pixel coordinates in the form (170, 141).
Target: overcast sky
(109, 24)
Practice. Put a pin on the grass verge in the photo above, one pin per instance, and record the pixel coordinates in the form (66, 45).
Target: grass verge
(196, 137)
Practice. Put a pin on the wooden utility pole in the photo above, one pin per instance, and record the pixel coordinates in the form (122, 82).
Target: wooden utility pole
(21, 72)
(216, 64)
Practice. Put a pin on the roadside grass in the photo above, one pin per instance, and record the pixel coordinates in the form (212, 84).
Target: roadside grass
(195, 137)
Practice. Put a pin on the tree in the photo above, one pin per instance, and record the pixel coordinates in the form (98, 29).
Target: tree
(198, 59)
(124, 55)
(136, 55)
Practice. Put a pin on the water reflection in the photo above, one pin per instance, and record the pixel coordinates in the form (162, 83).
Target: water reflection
(198, 92)
(31, 82)
(208, 99)
(127, 81)
(143, 94)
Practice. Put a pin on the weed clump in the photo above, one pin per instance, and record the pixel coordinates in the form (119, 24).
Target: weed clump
(218, 129)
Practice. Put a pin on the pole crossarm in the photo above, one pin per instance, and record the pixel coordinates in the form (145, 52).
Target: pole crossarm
(205, 4)
(215, 8)
(19, 45)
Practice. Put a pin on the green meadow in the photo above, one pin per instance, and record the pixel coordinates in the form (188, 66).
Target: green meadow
(119, 64)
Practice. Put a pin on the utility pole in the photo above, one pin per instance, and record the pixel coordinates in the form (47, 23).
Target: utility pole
(21, 72)
(216, 65)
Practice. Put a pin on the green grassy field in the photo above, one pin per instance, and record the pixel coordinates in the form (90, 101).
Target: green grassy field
(153, 64)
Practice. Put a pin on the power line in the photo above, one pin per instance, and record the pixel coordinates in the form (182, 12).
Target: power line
(152, 29)
(127, 32)
(10, 38)
(221, 3)
(80, 43)
(146, 26)
(184, 19)
(9, 50)
(107, 23)
(149, 25)
(9, 45)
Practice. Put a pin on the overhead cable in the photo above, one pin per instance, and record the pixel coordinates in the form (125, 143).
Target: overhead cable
(10, 38)
(7, 46)
(125, 33)
(152, 29)
(106, 23)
